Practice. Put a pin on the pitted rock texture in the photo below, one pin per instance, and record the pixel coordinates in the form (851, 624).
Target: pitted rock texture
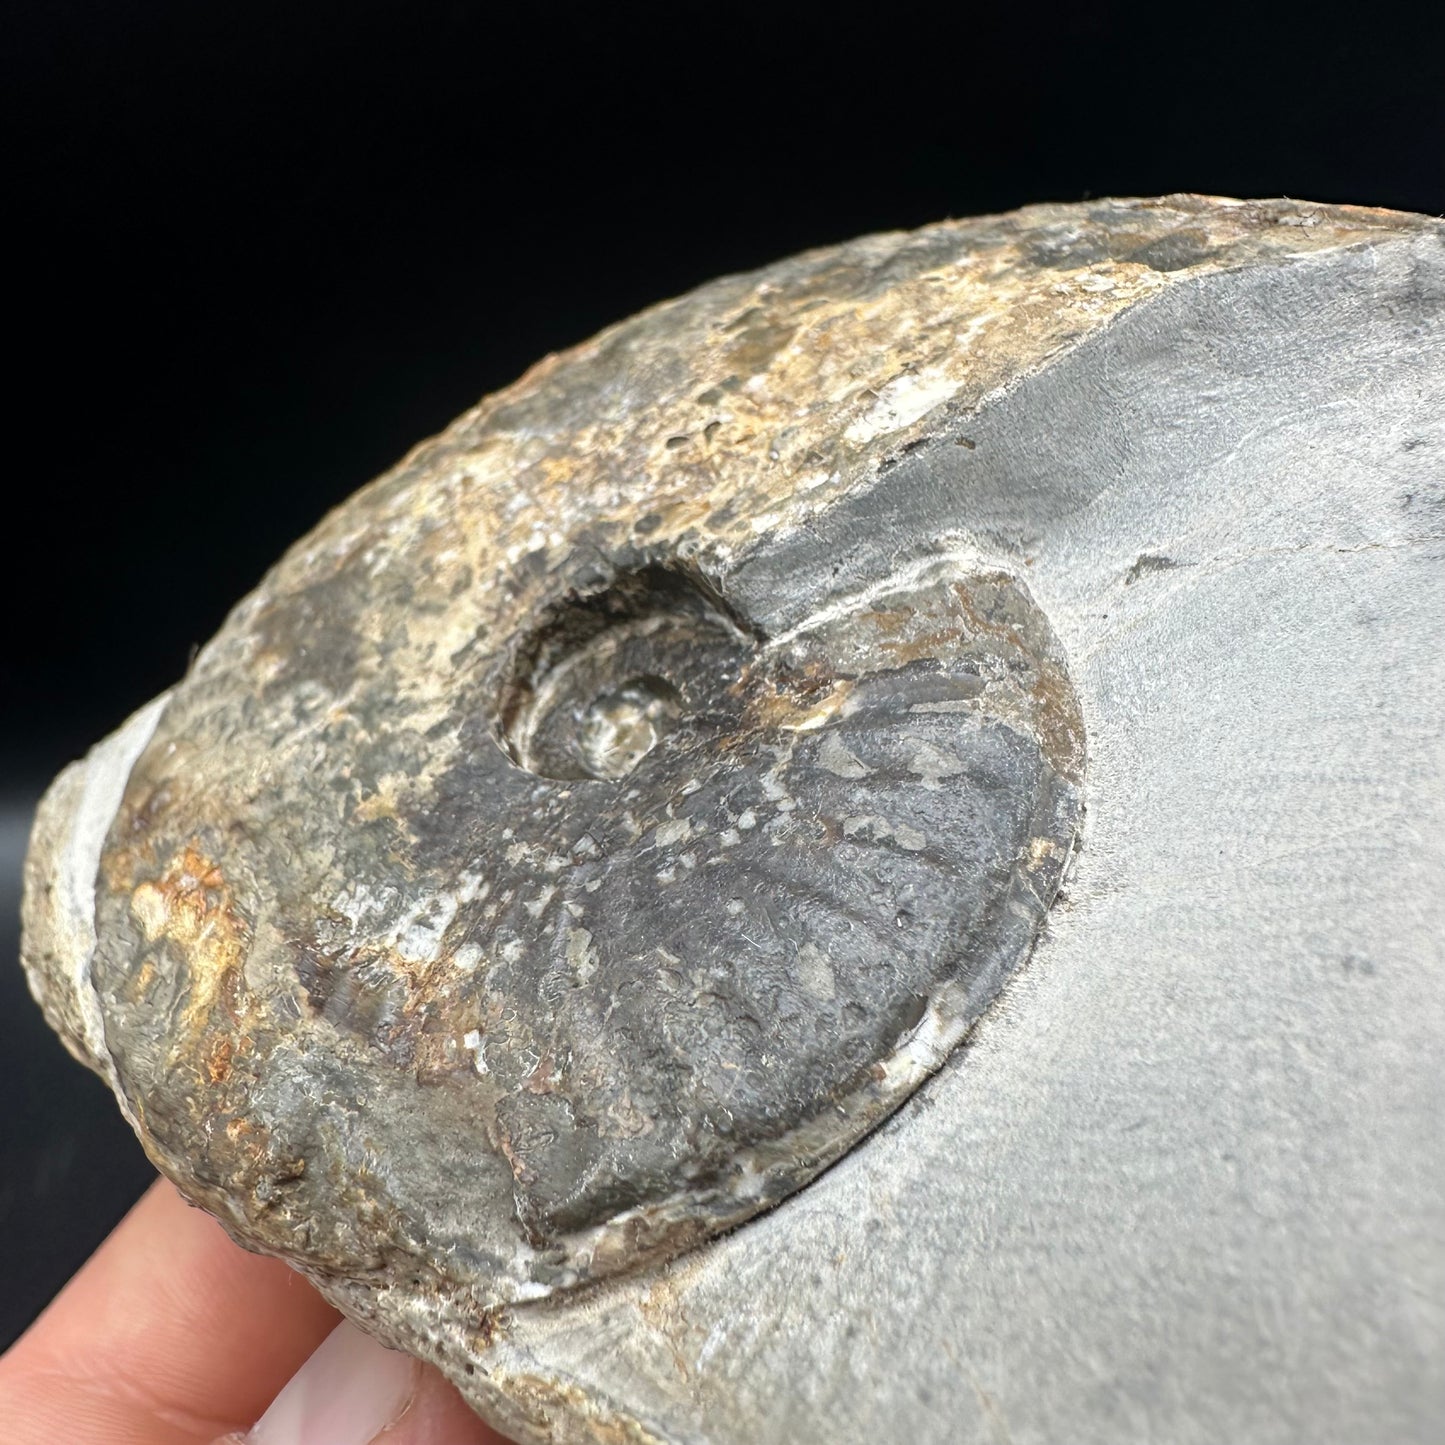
(611, 1014)
(598, 824)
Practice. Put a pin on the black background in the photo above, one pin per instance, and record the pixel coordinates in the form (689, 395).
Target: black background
(256, 251)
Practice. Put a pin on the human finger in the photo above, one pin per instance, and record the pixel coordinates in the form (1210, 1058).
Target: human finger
(169, 1335)
(352, 1391)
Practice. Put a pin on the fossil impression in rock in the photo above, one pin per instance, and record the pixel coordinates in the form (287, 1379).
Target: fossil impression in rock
(603, 822)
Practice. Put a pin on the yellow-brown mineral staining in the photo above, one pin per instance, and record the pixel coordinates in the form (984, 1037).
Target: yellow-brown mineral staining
(191, 907)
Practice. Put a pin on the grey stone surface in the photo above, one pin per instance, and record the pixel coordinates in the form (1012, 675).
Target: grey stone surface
(1162, 478)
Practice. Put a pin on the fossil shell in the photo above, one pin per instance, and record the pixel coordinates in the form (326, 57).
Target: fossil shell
(602, 821)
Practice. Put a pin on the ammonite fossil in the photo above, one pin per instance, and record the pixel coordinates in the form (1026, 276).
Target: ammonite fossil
(607, 819)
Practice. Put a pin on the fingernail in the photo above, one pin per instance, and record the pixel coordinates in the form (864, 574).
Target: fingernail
(347, 1393)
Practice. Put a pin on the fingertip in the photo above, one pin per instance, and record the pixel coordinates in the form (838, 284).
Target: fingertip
(169, 1334)
(438, 1415)
(354, 1391)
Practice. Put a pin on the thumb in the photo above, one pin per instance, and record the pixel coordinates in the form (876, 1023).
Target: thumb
(353, 1391)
